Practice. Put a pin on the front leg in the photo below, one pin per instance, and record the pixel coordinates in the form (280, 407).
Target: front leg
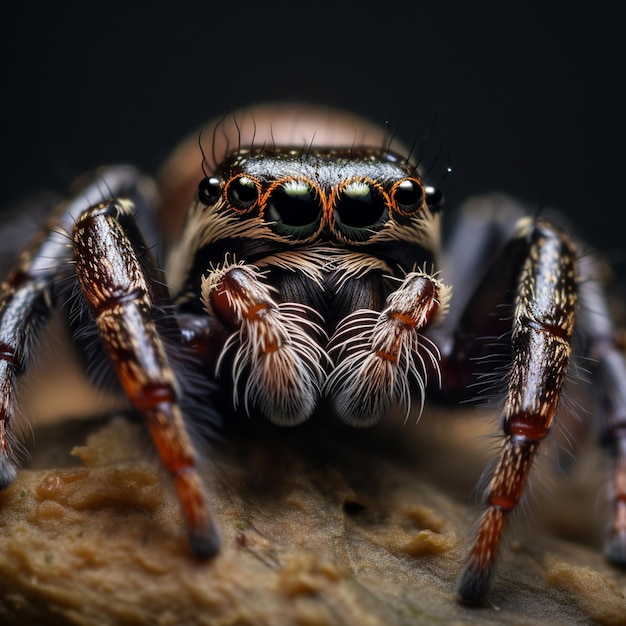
(542, 325)
(379, 356)
(273, 346)
(107, 246)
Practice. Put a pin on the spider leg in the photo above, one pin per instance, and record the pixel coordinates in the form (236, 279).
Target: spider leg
(24, 306)
(542, 324)
(35, 285)
(273, 348)
(609, 387)
(378, 355)
(482, 262)
(121, 296)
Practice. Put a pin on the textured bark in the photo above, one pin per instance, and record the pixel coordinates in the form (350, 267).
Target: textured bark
(334, 527)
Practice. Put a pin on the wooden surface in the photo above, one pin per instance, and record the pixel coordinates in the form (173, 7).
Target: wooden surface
(332, 527)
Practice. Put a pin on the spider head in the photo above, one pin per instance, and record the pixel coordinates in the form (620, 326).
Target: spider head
(346, 197)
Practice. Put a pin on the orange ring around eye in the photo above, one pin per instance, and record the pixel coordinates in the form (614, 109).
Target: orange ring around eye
(242, 193)
(356, 214)
(271, 123)
(295, 205)
(413, 197)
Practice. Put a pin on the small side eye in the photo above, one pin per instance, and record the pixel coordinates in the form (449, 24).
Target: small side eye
(209, 190)
(408, 196)
(434, 198)
(242, 193)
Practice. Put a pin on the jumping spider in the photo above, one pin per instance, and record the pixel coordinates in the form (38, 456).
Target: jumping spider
(304, 269)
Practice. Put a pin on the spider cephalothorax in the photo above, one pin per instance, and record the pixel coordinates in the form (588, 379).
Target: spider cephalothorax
(302, 267)
(298, 252)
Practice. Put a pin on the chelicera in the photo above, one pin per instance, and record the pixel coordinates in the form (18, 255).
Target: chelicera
(303, 266)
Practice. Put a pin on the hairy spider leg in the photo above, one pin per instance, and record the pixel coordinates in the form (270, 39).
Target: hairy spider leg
(106, 248)
(484, 250)
(36, 284)
(379, 354)
(609, 389)
(482, 260)
(543, 322)
(25, 306)
(277, 361)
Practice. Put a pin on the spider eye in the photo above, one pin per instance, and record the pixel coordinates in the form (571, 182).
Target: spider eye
(294, 209)
(209, 190)
(408, 196)
(242, 193)
(360, 209)
(434, 198)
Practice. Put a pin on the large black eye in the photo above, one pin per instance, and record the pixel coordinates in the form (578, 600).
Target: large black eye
(408, 196)
(209, 190)
(294, 208)
(360, 210)
(242, 193)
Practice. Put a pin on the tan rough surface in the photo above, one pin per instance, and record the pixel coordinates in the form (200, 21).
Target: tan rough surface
(340, 527)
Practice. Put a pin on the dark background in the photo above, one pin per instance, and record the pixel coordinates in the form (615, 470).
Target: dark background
(526, 98)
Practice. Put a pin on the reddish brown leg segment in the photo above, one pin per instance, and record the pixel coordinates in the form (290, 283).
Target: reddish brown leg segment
(120, 298)
(276, 357)
(380, 356)
(543, 322)
(35, 284)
